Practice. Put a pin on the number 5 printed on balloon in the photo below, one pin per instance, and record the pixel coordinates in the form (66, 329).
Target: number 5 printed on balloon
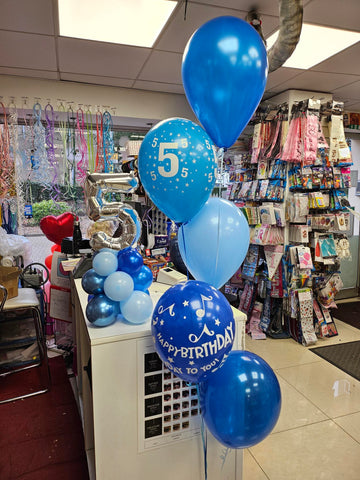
(177, 167)
(174, 160)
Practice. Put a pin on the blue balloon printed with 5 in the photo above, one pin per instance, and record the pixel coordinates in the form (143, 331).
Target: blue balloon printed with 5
(193, 329)
(214, 243)
(224, 74)
(241, 402)
(177, 165)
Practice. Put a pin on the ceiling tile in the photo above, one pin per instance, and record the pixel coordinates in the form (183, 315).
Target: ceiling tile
(280, 76)
(97, 80)
(349, 91)
(178, 31)
(323, 82)
(343, 62)
(354, 107)
(94, 58)
(269, 7)
(162, 67)
(159, 87)
(28, 72)
(332, 13)
(25, 50)
(33, 16)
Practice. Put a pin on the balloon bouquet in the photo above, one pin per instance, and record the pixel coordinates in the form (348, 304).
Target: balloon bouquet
(118, 282)
(224, 73)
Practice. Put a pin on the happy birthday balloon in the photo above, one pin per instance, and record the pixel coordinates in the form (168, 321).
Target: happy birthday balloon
(177, 167)
(224, 74)
(193, 329)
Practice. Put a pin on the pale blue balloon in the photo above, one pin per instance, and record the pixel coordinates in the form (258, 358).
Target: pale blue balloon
(137, 308)
(110, 250)
(118, 286)
(177, 164)
(214, 243)
(105, 263)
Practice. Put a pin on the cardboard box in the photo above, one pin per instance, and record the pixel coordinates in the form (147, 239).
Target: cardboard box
(9, 278)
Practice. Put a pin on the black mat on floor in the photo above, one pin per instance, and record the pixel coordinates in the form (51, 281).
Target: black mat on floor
(348, 313)
(345, 356)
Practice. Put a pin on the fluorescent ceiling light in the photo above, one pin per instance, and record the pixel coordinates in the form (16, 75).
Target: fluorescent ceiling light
(316, 44)
(129, 22)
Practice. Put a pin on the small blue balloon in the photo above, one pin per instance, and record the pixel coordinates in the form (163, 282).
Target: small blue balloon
(143, 279)
(110, 250)
(177, 167)
(92, 283)
(118, 286)
(224, 72)
(241, 402)
(90, 297)
(193, 329)
(130, 261)
(137, 308)
(214, 243)
(105, 263)
(101, 311)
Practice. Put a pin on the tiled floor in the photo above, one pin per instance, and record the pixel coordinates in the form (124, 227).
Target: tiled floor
(318, 433)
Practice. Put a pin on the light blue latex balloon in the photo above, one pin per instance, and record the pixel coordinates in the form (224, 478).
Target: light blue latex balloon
(137, 308)
(177, 167)
(105, 263)
(224, 72)
(118, 286)
(214, 243)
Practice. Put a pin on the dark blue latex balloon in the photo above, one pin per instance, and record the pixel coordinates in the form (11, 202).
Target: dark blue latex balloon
(193, 329)
(143, 279)
(130, 261)
(177, 167)
(224, 74)
(101, 311)
(241, 402)
(92, 282)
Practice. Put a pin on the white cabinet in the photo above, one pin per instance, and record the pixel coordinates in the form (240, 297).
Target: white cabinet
(130, 431)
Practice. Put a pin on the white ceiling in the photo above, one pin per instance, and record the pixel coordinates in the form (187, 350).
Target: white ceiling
(31, 47)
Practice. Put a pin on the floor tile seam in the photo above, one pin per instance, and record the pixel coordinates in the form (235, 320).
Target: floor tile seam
(307, 398)
(258, 464)
(345, 431)
(346, 415)
(304, 425)
(299, 364)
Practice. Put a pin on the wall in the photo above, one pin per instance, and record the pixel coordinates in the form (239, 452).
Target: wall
(134, 107)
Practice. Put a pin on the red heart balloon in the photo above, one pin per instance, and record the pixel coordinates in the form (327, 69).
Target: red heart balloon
(57, 228)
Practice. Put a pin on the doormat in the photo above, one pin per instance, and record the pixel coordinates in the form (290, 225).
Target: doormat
(348, 313)
(41, 437)
(345, 356)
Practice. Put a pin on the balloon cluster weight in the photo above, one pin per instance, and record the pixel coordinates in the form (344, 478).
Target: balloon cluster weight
(193, 329)
(241, 402)
(224, 72)
(177, 165)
